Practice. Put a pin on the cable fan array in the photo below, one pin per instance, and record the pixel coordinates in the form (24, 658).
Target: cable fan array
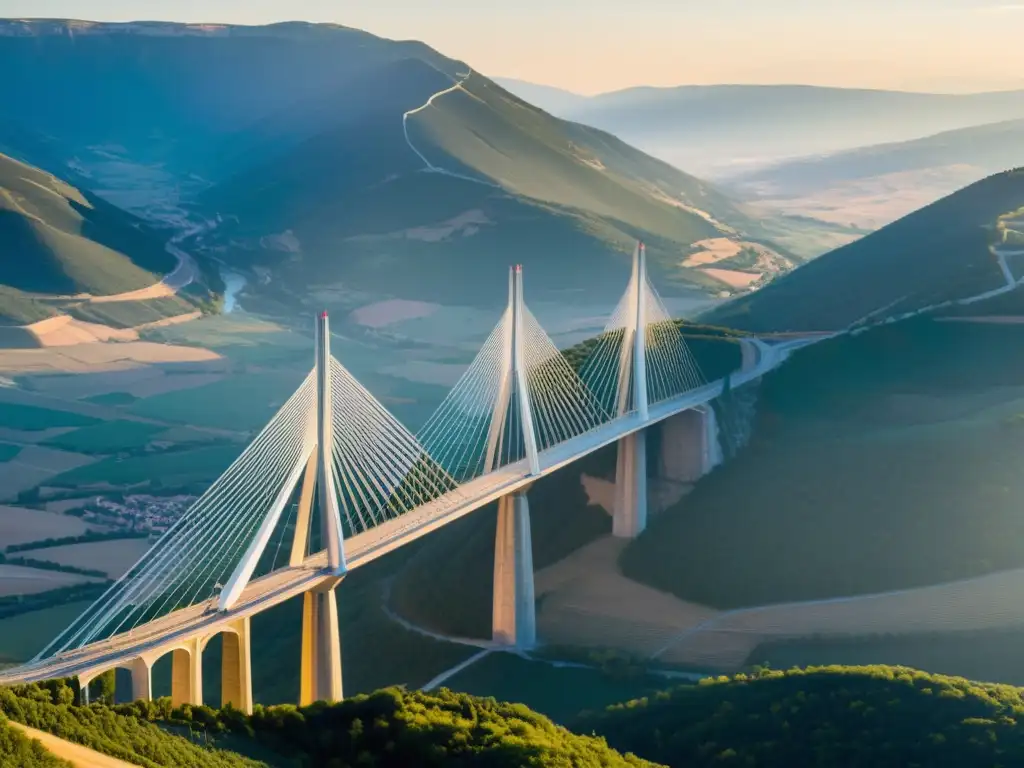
(607, 369)
(478, 426)
(380, 470)
(197, 555)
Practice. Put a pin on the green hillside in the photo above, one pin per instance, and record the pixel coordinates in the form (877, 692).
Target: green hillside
(178, 95)
(937, 254)
(60, 240)
(883, 461)
(857, 717)
(389, 728)
(488, 130)
(821, 718)
(509, 184)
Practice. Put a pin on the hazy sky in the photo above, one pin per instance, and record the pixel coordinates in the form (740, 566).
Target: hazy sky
(598, 45)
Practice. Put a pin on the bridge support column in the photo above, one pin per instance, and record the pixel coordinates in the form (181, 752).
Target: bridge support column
(690, 447)
(236, 668)
(749, 355)
(630, 514)
(142, 680)
(187, 675)
(514, 616)
(320, 679)
(83, 690)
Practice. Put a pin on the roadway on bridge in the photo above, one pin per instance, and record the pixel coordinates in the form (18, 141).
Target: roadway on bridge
(163, 634)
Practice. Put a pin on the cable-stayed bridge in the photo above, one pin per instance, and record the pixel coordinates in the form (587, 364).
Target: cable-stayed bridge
(334, 481)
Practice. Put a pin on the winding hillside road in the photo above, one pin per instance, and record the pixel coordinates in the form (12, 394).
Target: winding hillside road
(1011, 282)
(429, 166)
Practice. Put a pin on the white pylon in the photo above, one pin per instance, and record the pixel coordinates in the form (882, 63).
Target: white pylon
(330, 517)
(633, 355)
(640, 334)
(513, 370)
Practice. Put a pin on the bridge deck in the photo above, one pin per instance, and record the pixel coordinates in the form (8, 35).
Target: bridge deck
(162, 635)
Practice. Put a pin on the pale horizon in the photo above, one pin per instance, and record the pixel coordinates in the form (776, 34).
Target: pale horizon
(950, 46)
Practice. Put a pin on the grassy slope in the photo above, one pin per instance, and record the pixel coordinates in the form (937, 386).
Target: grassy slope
(880, 461)
(849, 716)
(61, 241)
(553, 209)
(933, 255)
(490, 131)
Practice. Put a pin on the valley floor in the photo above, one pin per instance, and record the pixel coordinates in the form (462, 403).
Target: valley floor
(587, 602)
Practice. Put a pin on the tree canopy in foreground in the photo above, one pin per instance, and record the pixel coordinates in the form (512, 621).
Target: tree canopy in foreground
(875, 717)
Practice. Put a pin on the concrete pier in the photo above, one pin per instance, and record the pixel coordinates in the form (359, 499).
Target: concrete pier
(187, 674)
(630, 513)
(236, 667)
(142, 680)
(690, 446)
(321, 647)
(514, 617)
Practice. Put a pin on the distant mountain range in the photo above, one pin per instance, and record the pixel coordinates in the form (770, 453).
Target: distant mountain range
(722, 130)
(343, 164)
(357, 167)
(982, 150)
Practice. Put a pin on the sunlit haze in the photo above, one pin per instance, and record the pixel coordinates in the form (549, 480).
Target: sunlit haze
(933, 45)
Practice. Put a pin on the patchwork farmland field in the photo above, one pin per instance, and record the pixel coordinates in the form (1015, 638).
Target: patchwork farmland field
(107, 437)
(24, 635)
(173, 469)
(114, 557)
(18, 580)
(237, 403)
(35, 465)
(30, 417)
(22, 526)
